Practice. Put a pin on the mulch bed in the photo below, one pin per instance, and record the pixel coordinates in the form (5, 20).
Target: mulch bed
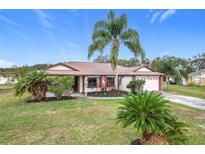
(49, 99)
(136, 142)
(112, 93)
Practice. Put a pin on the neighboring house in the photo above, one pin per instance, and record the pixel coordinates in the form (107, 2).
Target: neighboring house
(7, 78)
(172, 80)
(197, 77)
(91, 77)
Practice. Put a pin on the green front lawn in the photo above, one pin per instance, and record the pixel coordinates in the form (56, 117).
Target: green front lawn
(187, 90)
(78, 121)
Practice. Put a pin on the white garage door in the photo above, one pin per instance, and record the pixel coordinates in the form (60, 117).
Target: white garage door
(151, 83)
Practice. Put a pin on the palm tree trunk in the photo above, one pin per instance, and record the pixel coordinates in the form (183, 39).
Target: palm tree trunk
(116, 79)
(167, 81)
(152, 139)
(146, 137)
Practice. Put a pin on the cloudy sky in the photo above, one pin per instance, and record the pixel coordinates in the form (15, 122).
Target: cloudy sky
(29, 37)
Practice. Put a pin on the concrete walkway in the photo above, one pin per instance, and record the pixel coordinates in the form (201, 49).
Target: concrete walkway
(90, 97)
(185, 100)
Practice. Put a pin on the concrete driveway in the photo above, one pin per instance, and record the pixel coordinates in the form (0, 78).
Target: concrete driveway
(186, 100)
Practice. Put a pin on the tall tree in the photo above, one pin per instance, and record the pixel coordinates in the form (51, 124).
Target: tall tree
(114, 32)
(198, 62)
(168, 67)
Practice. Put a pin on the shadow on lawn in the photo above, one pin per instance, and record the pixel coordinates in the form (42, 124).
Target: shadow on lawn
(50, 99)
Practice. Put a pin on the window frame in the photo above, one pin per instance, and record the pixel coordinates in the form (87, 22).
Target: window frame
(113, 81)
(96, 82)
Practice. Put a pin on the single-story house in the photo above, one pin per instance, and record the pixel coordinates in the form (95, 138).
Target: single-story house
(7, 78)
(198, 77)
(90, 77)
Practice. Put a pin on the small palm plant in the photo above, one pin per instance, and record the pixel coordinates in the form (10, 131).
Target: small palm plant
(32, 83)
(150, 115)
(147, 113)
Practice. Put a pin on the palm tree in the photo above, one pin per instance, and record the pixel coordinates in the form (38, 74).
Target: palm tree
(148, 114)
(113, 32)
(168, 67)
(32, 83)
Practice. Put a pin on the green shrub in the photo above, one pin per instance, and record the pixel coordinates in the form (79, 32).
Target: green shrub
(178, 133)
(60, 85)
(136, 85)
(150, 115)
(191, 84)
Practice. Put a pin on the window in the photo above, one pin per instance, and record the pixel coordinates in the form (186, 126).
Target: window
(110, 81)
(92, 82)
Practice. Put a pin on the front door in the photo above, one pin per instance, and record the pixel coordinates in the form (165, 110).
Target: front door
(75, 87)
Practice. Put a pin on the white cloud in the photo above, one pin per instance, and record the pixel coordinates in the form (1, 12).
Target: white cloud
(155, 16)
(21, 35)
(44, 18)
(74, 56)
(164, 53)
(72, 44)
(8, 21)
(149, 13)
(5, 64)
(167, 14)
(159, 15)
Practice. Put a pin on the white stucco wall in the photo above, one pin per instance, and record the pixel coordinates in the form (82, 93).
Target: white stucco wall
(124, 82)
(196, 78)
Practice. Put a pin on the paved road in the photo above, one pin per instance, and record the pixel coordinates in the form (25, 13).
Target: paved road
(186, 100)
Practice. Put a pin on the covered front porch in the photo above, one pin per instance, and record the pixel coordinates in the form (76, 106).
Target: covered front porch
(85, 84)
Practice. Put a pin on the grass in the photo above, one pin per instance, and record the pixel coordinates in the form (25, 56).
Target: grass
(188, 90)
(79, 121)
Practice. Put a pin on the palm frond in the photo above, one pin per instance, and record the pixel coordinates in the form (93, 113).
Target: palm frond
(101, 34)
(101, 25)
(98, 45)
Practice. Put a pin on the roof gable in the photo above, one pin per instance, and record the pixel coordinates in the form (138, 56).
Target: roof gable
(61, 67)
(142, 69)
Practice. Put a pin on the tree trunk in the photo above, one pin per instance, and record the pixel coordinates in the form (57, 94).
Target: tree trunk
(116, 79)
(167, 81)
(152, 139)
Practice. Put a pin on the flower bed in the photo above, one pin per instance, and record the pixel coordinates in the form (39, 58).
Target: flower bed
(112, 93)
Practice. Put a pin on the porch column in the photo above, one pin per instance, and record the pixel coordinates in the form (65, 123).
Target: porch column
(103, 82)
(160, 83)
(85, 85)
